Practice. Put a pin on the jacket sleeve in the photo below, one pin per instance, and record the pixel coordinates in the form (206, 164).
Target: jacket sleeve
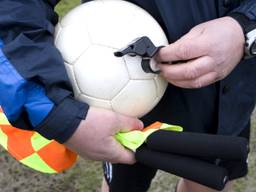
(35, 90)
(247, 8)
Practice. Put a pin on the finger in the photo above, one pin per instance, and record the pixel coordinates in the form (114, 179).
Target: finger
(123, 155)
(199, 82)
(183, 49)
(126, 124)
(187, 71)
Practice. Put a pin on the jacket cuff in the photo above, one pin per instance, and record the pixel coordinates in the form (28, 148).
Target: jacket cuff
(246, 24)
(247, 8)
(63, 120)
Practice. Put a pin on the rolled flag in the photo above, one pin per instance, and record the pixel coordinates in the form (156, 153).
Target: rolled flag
(193, 169)
(200, 145)
(167, 148)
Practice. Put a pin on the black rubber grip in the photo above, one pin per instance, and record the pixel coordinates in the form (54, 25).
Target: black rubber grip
(189, 168)
(199, 145)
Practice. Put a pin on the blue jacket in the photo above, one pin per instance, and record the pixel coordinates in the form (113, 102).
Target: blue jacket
(36, 93)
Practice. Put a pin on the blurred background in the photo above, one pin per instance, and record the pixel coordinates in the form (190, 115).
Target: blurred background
(86, 176)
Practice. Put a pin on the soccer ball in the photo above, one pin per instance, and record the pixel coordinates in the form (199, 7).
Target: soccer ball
(87, 38)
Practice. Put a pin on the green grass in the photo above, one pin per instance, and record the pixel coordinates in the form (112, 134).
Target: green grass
(65, 5)
(86, 175)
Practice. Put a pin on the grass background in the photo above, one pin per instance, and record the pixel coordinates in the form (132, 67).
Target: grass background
(86, 175)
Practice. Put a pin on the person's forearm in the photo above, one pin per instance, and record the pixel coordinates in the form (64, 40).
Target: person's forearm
(37, 93)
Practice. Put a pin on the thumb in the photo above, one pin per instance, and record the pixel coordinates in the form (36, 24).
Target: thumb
(126, 124)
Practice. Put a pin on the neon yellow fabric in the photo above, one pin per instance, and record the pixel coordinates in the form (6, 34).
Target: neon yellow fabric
(35, 162)
(38, 141)
(3, 120)
(3, 139)
(168, 127)
(134, 139)
(3, 136)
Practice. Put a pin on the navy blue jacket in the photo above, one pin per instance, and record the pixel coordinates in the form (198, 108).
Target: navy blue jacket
(36, 93)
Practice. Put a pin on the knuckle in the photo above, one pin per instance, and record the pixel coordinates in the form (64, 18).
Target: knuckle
(217, 76)
(165, 73)
(209, 60)
(132, 162)
(174, 83)
(184, 51)
(114, 158)
(163, 54)
(197, 84)
(191, 72)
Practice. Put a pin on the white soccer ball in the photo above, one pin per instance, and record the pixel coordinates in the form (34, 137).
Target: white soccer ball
(88, 36)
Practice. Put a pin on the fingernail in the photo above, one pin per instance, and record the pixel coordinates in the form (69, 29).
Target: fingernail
(141, 124)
